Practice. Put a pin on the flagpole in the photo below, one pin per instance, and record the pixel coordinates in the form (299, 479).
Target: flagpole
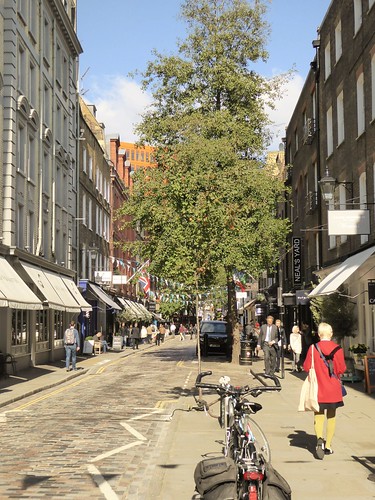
(137, 271)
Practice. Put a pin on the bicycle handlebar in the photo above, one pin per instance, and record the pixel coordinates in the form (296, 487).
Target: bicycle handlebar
(242, 391)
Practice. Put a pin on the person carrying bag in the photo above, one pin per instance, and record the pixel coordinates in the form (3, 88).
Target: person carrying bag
(330, 395)
(309, 393)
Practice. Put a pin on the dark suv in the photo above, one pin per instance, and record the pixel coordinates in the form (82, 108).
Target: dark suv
(213, 337)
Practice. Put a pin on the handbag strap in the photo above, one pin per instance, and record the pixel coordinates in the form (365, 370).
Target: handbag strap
(331, 354)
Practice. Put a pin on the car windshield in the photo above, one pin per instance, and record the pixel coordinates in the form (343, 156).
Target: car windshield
(214, 328)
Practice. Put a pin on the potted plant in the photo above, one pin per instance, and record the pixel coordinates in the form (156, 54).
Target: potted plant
(358, 351)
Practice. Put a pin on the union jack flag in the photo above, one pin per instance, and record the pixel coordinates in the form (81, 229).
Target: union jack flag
(144, 282)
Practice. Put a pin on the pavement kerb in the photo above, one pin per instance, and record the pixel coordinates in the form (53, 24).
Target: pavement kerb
(66, 376)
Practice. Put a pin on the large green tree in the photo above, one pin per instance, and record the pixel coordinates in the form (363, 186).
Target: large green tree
(209, 207)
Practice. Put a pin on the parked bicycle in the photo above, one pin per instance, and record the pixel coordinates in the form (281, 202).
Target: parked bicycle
(246, 467)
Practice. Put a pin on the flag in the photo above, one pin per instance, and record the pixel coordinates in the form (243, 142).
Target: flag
(144, 282)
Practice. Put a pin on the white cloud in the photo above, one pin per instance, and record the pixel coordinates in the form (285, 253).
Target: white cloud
(120, 103)
(284, 108)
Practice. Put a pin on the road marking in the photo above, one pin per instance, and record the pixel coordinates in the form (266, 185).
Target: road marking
(104, 487)
(181, 363)
(49, 395)
(161, 404)
(115, 451)
(142, 416)
(132, 431)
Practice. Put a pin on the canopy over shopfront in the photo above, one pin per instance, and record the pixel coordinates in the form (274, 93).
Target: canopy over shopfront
(58, 291)
(14, 293)
(338, 276)
(103, 297)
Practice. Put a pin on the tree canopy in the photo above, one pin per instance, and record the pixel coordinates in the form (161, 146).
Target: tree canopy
(210, 204)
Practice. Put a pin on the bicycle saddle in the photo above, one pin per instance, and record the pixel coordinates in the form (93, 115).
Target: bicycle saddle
(251, 406)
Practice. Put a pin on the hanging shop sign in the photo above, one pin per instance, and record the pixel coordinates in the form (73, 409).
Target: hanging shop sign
(297, 261)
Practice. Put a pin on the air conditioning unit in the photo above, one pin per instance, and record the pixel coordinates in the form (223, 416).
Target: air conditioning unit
(309, 131)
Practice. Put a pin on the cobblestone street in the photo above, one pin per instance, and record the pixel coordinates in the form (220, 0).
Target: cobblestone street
(97, 436)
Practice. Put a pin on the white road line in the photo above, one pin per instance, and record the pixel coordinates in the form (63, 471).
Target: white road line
(104, 487)
(142, 416)
(115, 451)
(132, 431)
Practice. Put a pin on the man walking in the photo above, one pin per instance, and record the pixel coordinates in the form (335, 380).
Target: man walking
(267, 341)
(281, 343)
(135, 336)
(72, 345)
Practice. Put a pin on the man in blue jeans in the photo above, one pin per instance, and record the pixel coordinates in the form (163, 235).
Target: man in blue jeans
(72, 345)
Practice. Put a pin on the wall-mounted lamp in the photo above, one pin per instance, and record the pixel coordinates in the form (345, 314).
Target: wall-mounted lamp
(93, 252)
(328, 185)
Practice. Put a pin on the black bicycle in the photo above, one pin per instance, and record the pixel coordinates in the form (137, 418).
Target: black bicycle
(245, 443)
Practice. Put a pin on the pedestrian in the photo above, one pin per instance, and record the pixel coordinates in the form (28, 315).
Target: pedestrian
(295, 345)
(72, 345)
(124, 332)
(267, 341)
(162, 332)
(306, 340)
(173, 329)
(143, 334)
(182, 332)
(249, 330)
(281, 343)
(157, 335)
(149, 334)
(135, 336)
(329, 366)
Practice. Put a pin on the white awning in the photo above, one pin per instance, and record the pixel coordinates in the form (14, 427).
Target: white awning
(85, 306)
(341, 273)
(249, 304)
(104, 297)
(134, 309)
(66, 297)
(14, 293)
(122, 301)
(49, 293)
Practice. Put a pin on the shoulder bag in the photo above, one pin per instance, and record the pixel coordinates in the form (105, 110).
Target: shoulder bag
(309, 393)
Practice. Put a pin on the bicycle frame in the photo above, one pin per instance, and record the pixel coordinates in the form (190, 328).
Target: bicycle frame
(241, 442)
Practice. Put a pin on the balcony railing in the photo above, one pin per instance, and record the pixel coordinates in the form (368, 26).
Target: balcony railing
(309, 130)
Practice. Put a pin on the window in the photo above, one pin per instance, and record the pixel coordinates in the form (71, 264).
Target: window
(360, 105)
(90, 214)
(363, 200)
(59, 187)
(295, 140)
(313, 103)
(340, 118)
(31, 164)
(20, 226)
(329, 132)
(21, 148)
(20, 334)
(90, 167)
(84, 221)
(58, 64)
(47, 105)
(33, 87)
(46, 239)
(317, 250)
(132, 154)
(41, 326)
(357, 15)
(47, 40)
(373, 87)
(338, 41)
(58, 330)
(22, 70)
(22, 9)
(370, 3)
(84, 159)
(327, 60)
(46, 173)
(30, 226)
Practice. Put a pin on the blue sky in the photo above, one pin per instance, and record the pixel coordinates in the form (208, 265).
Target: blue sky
(118, 38)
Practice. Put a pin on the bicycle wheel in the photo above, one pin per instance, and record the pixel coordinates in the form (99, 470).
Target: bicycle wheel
(257, 437)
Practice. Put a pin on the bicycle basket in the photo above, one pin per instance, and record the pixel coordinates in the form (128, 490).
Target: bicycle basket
(216, 478)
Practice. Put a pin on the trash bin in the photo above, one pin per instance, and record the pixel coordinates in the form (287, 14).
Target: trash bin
(246, 353)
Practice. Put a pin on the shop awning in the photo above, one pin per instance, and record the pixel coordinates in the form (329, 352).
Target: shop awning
(69, 283)
(14, 293)
(122, 301)
(101, 295)
(340, 274)
(135, 310)
(250, 304)
(41, 281)
(66, 298)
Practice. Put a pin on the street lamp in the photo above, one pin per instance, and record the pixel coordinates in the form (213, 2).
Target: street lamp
(327, 185)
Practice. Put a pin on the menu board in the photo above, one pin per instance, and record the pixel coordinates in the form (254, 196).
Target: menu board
(369, 364)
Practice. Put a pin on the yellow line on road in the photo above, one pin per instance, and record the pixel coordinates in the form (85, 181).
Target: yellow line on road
(49, 395)
(161, 404)
(181, 363)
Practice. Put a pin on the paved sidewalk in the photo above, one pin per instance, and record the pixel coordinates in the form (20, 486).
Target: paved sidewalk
(348, 473)
(41, 377)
